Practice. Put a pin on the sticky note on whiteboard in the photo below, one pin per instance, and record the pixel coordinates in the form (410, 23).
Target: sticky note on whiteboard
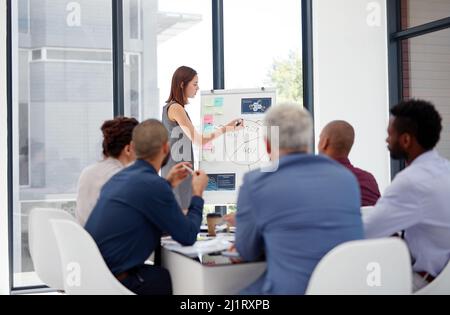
(208, 156)
(209, 110)
(218, 102)
(208, 102)
(208, 119)
(209, 129)
(209, 146)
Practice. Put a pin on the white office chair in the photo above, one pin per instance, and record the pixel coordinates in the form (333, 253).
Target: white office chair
(364, 268)
(84, 270)
(43, 248)
(440, 285)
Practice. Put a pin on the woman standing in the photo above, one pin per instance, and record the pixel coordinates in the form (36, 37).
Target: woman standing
(181, 130)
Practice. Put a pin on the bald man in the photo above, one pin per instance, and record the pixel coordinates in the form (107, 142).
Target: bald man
(336, 141)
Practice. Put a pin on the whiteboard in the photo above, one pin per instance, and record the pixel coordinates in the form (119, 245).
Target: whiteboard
(228, 158)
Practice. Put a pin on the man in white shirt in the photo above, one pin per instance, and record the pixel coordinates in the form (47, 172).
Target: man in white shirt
(418, 201)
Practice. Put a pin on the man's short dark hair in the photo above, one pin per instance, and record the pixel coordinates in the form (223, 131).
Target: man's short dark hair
(149, 137)
(420, 119)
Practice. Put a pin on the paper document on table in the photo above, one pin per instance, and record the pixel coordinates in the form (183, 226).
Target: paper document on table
(199, 248)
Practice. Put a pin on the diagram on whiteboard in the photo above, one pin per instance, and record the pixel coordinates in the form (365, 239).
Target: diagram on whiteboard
(228, 158)
(246, 147)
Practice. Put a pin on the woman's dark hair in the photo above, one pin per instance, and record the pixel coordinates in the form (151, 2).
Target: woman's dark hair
(420, 119)
(117, 134)
(181, 78)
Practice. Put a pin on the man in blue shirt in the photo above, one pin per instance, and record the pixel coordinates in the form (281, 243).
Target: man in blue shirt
(137, 206)
(296, 214)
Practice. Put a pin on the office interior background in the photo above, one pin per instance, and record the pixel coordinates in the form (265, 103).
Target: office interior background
(62, 75)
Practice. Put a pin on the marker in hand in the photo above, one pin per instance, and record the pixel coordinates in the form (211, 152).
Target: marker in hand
(239, 122)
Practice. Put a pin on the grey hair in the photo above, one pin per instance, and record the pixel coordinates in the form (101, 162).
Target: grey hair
(149, 137)
(295, 126)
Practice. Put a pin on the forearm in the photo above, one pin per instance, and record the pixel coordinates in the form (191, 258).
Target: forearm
(388, 218)
(248, 237)
(212, 136)
(169, 181)
(249, 253)
(196, 210)
(248, 243)
(188, 235)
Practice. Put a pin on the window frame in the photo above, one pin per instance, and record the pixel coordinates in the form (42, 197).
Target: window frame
(28, 52)
(396, 35)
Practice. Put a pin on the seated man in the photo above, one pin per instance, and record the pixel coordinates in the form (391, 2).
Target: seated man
(418, 200)
(136, 206)
(298, 213)
(336, 141)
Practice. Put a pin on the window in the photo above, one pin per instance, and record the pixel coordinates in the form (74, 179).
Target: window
(24, 16)
(133, 84)
(424, 69)
(24, 119)
(176, 33)
(418, 12)
(64, 95)
(135, 19)
(265, 37)
(426, 75)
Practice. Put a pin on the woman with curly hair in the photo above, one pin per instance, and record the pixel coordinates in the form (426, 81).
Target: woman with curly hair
(117, 152)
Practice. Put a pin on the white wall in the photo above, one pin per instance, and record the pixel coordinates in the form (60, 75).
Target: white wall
(351, 77)
(4, 264)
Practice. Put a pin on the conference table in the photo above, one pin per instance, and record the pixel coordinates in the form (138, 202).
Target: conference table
(202, 269)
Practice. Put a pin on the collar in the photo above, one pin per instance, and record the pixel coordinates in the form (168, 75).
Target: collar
(112, 160)
(344, 161)
(146, 165)
(427, 156)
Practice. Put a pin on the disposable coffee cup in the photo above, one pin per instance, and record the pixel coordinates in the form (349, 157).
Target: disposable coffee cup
(213, 219)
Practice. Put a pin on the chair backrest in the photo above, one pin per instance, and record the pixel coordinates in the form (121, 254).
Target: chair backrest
(84, 270)
(364, 268)
(440, 285)
(43, 248)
